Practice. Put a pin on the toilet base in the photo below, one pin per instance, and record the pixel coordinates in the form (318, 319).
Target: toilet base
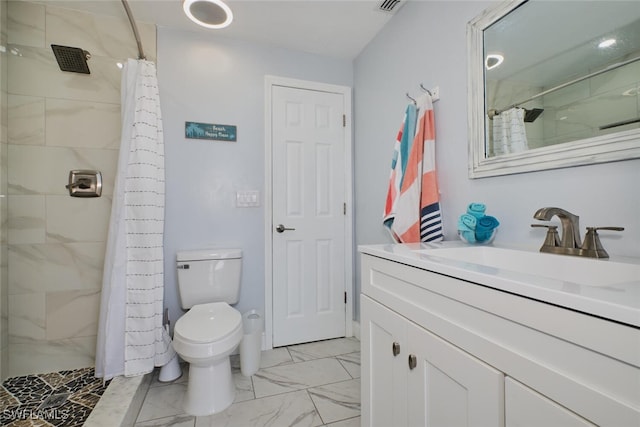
(210, 388)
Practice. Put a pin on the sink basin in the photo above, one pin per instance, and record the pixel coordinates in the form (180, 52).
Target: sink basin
(583, 271)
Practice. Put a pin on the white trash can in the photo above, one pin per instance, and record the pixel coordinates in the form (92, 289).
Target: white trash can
(251, 344)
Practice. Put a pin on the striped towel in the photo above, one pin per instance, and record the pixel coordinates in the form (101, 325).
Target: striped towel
(401, 150)
(418, 217)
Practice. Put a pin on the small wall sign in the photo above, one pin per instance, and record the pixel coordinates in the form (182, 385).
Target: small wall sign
(195, 130)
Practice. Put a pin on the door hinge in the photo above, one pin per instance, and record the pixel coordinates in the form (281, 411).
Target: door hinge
(344, 120)
(344, 209)
(345, 297)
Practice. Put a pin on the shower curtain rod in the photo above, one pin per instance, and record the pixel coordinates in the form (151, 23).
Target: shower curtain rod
(493, 113)
(135, 29)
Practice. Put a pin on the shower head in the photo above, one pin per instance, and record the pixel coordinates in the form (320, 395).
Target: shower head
(532, 115)
(71, 59)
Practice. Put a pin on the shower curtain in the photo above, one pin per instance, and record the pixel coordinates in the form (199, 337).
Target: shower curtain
(509, 133)
(131, 337)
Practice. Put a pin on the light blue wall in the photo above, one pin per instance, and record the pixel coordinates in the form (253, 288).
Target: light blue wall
(426, 43)
(205, 78)
(216, 80)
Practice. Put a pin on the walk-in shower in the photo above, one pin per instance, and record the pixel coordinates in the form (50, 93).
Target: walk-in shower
(50, 297)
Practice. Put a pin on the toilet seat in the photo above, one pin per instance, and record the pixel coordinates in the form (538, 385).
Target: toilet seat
(207, 331)
(206, 323)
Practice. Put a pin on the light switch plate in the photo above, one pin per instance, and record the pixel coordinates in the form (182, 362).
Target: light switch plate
(247, 199)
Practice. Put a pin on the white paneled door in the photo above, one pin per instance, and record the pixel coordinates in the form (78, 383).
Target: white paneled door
(308, 213)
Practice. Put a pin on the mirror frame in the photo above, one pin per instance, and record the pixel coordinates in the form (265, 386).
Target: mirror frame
(618, 146)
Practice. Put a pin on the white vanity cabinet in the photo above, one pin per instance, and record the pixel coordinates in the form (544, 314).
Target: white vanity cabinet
(415, 378)
(383, 366)
(438, 351)
(525, 407)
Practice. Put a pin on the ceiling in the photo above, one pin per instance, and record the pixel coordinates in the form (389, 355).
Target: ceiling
(336, 28)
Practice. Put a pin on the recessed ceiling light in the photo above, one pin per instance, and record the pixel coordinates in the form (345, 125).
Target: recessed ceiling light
(493, 60)
(214, 14)
(607, 43)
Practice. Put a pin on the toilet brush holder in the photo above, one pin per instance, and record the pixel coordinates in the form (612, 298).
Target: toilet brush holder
(171, 371)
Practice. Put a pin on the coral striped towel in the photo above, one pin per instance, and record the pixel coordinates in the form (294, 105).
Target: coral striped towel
(418, 217)
(401, 150)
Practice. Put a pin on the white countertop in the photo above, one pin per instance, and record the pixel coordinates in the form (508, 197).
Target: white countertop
(617, 301)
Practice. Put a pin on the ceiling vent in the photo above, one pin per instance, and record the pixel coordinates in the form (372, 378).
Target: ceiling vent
(389, 6)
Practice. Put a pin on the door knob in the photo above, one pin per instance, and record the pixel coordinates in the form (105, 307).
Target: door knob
(281, 228)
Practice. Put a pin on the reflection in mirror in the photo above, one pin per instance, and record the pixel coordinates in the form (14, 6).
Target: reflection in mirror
(553, 84)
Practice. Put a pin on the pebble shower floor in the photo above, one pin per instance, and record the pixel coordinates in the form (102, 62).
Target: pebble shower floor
(61, 399)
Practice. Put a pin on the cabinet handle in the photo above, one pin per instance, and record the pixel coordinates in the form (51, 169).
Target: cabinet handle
(395, 348)
(413, 361)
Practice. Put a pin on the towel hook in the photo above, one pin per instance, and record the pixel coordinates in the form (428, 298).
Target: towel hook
(426, 90)
(412, 99)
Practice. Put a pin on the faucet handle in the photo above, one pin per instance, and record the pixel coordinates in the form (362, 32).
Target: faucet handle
(552, 240)
(591, 246)
(605, 228)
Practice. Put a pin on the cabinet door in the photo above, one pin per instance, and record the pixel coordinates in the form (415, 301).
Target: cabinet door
(448, 387)
(525, 407)
(384, 375)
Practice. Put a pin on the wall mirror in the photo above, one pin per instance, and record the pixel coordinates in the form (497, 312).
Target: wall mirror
(553, 84)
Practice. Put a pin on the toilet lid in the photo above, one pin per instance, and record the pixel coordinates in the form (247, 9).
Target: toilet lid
(206, 323)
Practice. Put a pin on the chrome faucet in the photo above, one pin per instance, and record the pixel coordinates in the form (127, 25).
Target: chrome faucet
(570, 243)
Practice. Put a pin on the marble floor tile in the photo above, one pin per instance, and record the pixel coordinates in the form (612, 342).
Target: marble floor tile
(351, 422)
(286, 391)
(298, 376)
(268, 358)
(337, 401)
(275, 357)
(161, 402)
(288, 409)
(244, 386)
(351, 362)
(321, 349)
(175, 421)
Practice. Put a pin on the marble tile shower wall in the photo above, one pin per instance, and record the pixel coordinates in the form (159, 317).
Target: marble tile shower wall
(578, 110)
(4, 283)
(58, 121)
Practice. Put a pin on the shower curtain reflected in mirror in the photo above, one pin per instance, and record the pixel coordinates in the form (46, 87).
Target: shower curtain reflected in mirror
(131, 337)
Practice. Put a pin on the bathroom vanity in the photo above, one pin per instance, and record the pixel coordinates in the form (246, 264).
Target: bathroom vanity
(488, 336)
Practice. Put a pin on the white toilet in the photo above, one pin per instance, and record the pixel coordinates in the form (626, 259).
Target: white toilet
(208, 281)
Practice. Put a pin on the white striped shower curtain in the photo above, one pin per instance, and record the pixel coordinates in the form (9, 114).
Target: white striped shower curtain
(131, 337)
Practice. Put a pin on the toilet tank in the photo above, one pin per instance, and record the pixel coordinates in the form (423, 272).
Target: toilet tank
(209, 275)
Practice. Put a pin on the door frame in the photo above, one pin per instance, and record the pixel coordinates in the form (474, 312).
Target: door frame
(345, 91)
